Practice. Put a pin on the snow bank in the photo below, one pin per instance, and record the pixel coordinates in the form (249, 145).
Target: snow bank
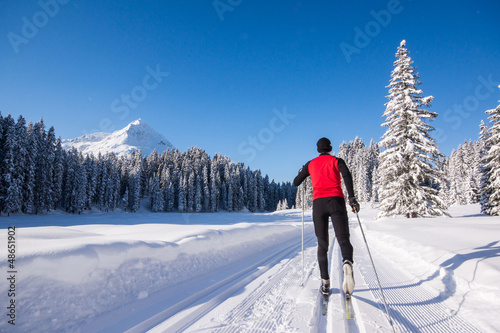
(69, 275)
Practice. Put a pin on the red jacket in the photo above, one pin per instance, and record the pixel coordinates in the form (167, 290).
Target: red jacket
(325, 173)
(325, 177)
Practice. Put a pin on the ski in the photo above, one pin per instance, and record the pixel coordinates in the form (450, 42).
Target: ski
(324, 303)
(349, 311)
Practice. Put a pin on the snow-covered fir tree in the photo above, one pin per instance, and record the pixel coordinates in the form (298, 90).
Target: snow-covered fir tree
(372, 160)
(252, 195)
(261, 205)
(135, 181)
(191, 191)
(304, 195)
(409, 181)
(282, 205)
(492, 160)
(182, 194)
(29, 174)
(462, 169)
(43, 168)
(57, 176)
(12, 195)
(362, 161)
(80, 184)
(198, 197)
(206, 188)
(125, 200)
(3, 189)
(156, 200)
(215, 185)
(484, 170)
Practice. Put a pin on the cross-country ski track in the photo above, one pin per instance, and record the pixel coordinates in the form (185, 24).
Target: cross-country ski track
(264, 293)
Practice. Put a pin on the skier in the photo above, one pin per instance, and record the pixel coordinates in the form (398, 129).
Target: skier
(329, 201)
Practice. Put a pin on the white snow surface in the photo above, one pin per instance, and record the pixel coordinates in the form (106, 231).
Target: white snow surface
(243, 272)
(136, 135)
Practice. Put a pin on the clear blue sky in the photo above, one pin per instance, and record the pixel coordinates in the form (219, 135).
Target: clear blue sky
(260, 81)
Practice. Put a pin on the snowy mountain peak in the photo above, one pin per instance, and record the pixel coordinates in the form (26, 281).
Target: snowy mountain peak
(138, 122)
(136, 135)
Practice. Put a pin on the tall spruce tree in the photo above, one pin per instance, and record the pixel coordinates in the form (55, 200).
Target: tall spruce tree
(156, 200)
(484, 170)
(3, 190)
(11, 181)
(407, 165)
(29, 178)
(58, 170)
(372, 157)
(493, 160)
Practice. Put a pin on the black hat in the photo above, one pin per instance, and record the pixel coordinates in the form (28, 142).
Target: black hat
(324, 145)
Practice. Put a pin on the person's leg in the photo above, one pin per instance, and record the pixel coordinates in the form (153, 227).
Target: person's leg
(341, 226)
(320, 219)
(340, 223)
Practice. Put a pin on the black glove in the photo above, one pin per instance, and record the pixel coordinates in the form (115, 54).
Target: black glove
(354, 204)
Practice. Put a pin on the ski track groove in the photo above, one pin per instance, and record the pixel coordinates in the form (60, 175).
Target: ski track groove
(413, 307)
(324, 321)
(355, 325)
(336, 314)
(215, 296)
(350, 326)
(240, 313)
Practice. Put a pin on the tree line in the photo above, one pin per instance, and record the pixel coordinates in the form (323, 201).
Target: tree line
(38, 175)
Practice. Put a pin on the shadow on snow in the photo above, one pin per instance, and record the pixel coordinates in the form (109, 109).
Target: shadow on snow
(447, 267)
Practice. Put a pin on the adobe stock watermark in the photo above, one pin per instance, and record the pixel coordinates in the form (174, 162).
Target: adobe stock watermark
(129, 101)
(460, 111)
(363, 38)
(30, 27)
(253, 144)
(223, 6)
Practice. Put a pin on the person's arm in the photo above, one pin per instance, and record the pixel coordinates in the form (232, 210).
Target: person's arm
(346, 175)
(303, 174)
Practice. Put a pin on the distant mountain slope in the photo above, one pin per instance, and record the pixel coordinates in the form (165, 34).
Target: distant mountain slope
(136, 135)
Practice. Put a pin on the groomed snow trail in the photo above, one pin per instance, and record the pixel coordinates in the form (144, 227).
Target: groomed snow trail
(413, 305)
(262, 292)
(257, 298)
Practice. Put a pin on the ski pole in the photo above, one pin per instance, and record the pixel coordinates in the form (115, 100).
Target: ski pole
(375, 270)
(302, 235)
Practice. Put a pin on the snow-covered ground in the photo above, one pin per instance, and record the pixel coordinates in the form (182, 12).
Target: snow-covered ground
(240, 272)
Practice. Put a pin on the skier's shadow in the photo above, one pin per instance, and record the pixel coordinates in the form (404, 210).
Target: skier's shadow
(447, 267)
(487, 251)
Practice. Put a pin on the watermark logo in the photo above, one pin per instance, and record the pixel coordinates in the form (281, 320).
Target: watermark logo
(253, 144)
(30, 28)
(223, 6)
(460, 111)
(128, 101)
(363, 37)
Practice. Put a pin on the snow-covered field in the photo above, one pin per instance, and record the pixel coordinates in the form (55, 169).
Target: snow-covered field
(241, 272)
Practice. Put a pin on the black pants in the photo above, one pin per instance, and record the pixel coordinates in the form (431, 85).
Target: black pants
(333, 207)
